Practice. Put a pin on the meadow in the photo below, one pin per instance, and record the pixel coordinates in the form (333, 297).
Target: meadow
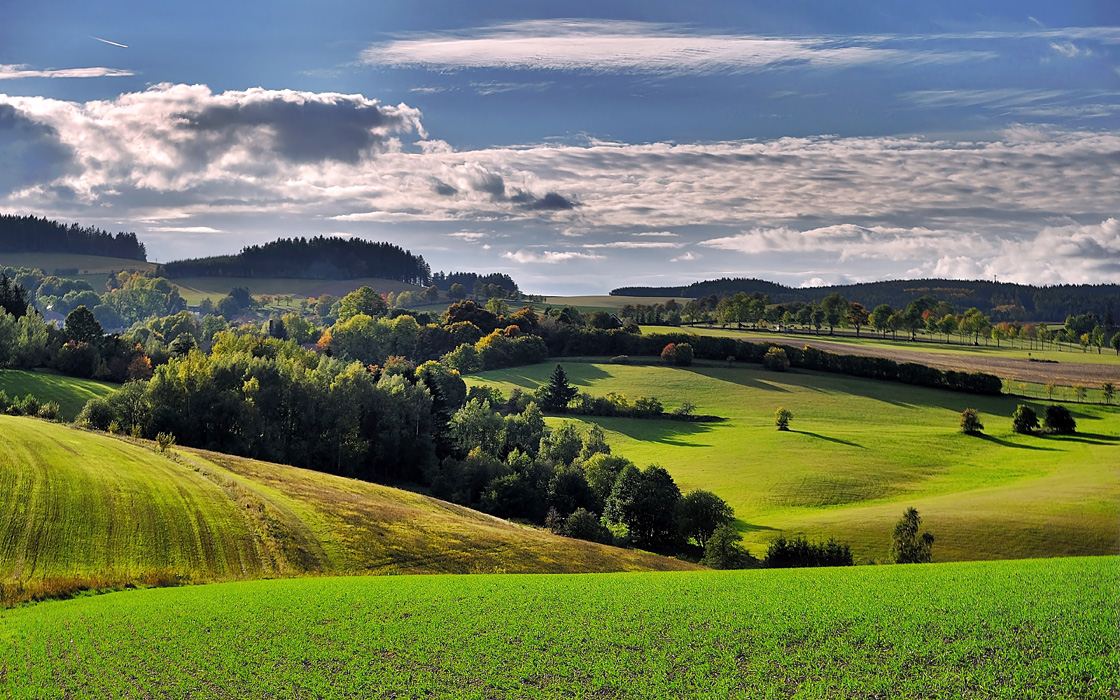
(859, 453)
(70, 393)
(1022, 629)
(195, 289)
(76, 504)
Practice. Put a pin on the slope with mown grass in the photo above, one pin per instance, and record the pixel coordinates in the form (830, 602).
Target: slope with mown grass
(79, 504)
(1019, 629)
(70, 393)
(859, 453)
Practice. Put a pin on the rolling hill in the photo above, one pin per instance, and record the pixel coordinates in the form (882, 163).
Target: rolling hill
(79, 504)
(70, 393)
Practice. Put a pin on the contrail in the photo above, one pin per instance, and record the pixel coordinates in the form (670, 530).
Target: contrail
(106, 41)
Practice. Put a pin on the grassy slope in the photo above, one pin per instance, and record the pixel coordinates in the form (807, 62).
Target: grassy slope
(75, 503)
(85, 264)
(1107, 356)
(860, 452)
(70, 393)
(1022, 629)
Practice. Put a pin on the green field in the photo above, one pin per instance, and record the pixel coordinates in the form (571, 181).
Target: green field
(1022, 629)
(607, 303)
(94, 265)
(860, 452)
(1107, 356)
(75, 503)
(70, 393)
(195, 289)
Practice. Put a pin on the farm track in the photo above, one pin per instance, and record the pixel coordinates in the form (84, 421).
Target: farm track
(1068, 373)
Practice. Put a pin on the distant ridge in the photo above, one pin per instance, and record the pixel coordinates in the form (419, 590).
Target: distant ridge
(29, 234)
(320, 257)
(1022, 301)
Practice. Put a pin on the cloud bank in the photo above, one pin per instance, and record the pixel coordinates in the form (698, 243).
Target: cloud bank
(1033, 205)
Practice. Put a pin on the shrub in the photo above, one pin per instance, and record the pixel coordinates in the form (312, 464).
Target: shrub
(29, 406)
(620, 360)
(782, 417)
(1024, 420)
(164, 441)
(776, 360)
(96, 414)
(1057, 419)
(970, 421)
(582, 524)
(669, 354)
(685, 355)
(49, 411)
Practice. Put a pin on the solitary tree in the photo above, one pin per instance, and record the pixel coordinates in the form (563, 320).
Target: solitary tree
(1024, 420)
(700, 513)
(1108, 390)
(908, 547)
(558, 393)
(782, 417)
(1058, 419)
(82, 327)
(970, 422)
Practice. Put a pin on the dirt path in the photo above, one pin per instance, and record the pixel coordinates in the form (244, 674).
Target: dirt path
(1067, 373)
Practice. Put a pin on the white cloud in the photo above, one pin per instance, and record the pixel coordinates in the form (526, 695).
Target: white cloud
(620, 47)
(548, 256)
(813, 282)
(16, 71)
(183, 229)
(470, 236)
(635, 244)
(1069, 49)
(687, 257)
(658, 234)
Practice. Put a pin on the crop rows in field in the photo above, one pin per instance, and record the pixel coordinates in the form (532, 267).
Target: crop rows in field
(1023, 629)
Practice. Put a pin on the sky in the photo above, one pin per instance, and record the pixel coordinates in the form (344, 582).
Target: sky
(582, 146)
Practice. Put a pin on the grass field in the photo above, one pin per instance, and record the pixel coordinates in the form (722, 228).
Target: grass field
(1022, 629)
(606, 303)
(70, 393)
(1107, 356)
(195, 289)
(75, 503)
(860, 452)
(85, 264)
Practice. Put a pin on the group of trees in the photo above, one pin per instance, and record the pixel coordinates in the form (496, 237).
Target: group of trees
(30, 234)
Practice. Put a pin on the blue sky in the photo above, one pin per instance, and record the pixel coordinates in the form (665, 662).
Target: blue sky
(584, 147)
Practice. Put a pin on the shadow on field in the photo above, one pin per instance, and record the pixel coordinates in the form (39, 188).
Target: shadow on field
(1087, 438)
(742, 379)
(744, 526)
(1005, 443)
(665, 432)
(838, 441)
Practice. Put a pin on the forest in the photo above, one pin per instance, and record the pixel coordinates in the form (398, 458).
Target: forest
(30, 234)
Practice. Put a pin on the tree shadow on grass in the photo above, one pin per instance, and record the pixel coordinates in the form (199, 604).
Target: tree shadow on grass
(1087, 438)
(744, 526)
(676, 433)
(744, 379)
(829, 439)
(1005, 443)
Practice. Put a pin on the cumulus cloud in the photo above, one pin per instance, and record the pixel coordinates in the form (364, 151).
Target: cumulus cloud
(186, 155)
(16, 71)
(31, 151)
(621, 47)
(687, 257)
(549, 256)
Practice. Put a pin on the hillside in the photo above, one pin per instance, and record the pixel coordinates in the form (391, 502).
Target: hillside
(1021, 629)
(1028, 302)
(320, 257)
(70, 393)
(858, 453)
(75, 503)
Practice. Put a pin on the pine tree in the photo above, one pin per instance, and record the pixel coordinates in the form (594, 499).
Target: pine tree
(559, 393)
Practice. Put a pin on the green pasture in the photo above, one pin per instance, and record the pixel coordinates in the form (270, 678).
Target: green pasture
(74, 503)
(95, 265)
(935, 344)
(859, 453)
(1021, 629)
(70, 393)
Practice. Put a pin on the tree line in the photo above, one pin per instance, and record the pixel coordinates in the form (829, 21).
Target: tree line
(1002, 301)
(30, 234)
